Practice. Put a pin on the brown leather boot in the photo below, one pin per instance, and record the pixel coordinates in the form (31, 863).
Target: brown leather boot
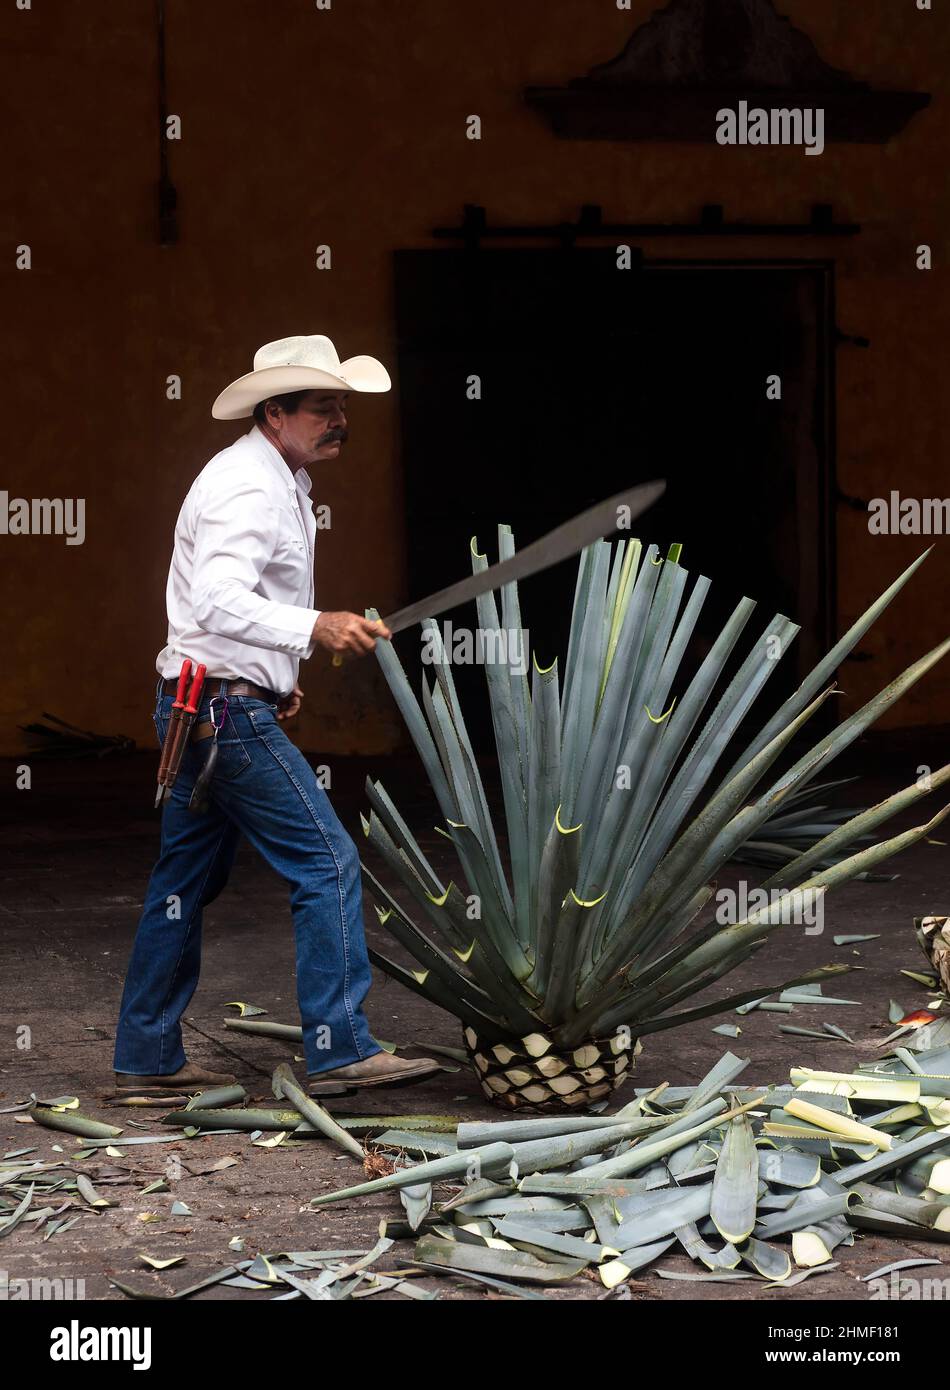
(379, 1070)
(190, 1077)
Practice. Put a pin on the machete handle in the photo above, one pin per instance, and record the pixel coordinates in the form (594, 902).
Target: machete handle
(182, 729)
(337, 659)
(177, 706)
(183, 682)
(194, 694)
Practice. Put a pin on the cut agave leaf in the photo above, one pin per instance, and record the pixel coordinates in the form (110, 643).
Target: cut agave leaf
(801, 1276)
(509, 1264)
(894, 1266)
(766, 1260)
(285, 1087)
(502, 1285)
(520, 1233)
(72, 1122)
(614, 1272)
(838, 1124)
(735, 1185)
(490, 1158)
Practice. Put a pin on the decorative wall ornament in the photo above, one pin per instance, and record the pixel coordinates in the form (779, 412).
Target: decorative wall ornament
(694, 57)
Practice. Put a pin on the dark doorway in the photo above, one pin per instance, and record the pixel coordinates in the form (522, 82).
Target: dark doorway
(593, 379)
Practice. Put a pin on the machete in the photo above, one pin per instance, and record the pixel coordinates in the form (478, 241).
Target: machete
(559, 544)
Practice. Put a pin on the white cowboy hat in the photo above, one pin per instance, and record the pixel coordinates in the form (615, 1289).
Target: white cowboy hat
(304, 363)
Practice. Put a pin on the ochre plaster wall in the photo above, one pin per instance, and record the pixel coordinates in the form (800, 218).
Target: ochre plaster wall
(347, 127)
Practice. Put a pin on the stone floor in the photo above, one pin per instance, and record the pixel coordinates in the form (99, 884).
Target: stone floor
(77, 852)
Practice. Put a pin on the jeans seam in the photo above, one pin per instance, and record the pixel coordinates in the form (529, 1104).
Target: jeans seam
(186, 937)
(339, 868)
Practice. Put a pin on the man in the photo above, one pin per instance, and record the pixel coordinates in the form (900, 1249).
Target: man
(240, 601)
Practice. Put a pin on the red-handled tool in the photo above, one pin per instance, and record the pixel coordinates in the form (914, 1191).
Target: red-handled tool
(171, 731)
(183, 732)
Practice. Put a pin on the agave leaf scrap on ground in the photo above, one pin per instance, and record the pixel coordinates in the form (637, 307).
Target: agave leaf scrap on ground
(285, 1087)
(72, 1122)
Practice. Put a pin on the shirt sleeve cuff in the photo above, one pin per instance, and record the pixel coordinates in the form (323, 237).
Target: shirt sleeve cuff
(303, 623)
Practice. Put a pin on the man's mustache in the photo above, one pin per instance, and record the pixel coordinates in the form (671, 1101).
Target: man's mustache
(338, 435)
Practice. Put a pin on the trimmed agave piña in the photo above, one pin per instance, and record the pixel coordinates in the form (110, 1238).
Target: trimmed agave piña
(617, 818)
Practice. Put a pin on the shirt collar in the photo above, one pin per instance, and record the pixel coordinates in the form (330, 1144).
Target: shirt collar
(301, 477)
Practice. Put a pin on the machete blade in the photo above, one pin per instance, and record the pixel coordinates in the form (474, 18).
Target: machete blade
(559, 544)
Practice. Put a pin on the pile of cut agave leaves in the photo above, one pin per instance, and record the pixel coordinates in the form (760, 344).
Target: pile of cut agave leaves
(757, 1183)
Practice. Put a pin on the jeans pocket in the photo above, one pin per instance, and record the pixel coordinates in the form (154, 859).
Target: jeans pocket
(233, 757)
(258, 708)
(261, 717)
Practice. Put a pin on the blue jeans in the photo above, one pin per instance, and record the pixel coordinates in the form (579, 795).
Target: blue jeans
(264, 789)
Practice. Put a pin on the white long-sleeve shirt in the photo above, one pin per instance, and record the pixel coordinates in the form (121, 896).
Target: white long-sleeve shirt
(240, 585)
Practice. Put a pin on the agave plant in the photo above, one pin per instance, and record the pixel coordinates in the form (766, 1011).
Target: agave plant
(800, 824)
(563, 942)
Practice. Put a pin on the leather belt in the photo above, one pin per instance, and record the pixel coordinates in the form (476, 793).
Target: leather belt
(213, 688)
(232, 687)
